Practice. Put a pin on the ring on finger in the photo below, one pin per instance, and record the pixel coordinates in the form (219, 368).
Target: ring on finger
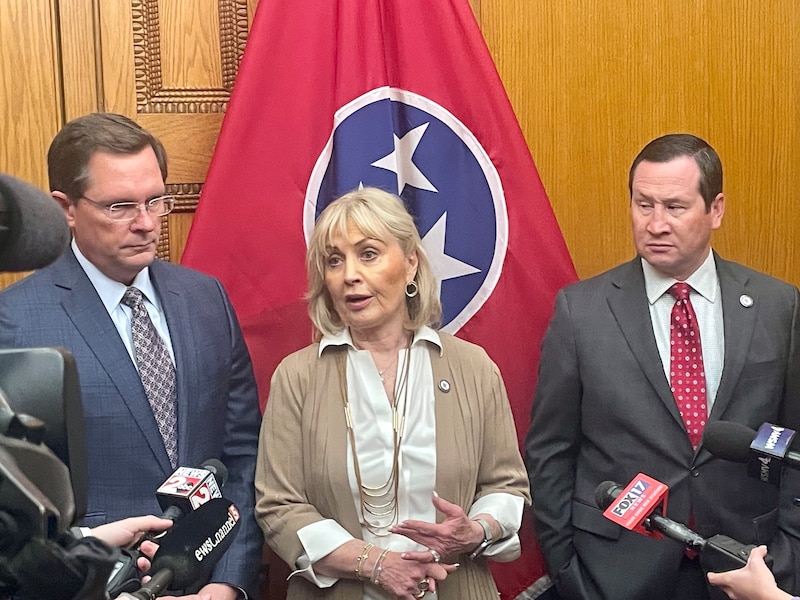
(423, 586)
(436, 556)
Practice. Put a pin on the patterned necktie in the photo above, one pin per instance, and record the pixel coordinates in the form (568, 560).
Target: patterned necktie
(687, 375)
(155, 369)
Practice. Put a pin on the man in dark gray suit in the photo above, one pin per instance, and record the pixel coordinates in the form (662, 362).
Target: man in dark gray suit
(109, 176)
(604, 408)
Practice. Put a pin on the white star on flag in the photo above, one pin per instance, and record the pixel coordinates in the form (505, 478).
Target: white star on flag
(444, 266)
(399, 161)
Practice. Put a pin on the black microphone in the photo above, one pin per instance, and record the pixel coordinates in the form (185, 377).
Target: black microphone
(185, 491)
(190, 550)
(718, 553)
(765, 451)
(33, 228)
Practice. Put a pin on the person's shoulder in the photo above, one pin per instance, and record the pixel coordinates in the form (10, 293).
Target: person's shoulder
(618, 276)
(162, 267)
(455, 347)
(301, 360)
(32, 284)
(750, 276)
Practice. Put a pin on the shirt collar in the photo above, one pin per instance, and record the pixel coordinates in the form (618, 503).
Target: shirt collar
(343, 338)
(704, 280)
(111, 291)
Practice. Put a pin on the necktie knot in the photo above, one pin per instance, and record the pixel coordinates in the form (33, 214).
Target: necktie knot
(132, 297)
(679, 291)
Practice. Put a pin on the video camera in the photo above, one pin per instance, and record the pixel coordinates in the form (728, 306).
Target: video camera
(40, 497)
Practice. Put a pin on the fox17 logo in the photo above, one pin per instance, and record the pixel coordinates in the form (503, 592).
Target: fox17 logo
(631, 499)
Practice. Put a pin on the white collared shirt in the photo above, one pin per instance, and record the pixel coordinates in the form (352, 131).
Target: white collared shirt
(111, 293)
(706, 299)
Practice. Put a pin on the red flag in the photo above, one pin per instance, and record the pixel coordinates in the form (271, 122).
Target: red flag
(403, 95)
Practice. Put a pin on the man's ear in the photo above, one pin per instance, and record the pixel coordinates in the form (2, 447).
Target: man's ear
(67, 206)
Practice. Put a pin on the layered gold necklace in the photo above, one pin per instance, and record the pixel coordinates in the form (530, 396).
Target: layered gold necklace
(379, 504)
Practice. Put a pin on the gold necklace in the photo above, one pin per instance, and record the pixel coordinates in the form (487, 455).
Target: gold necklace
(370, 498)
(380, 373)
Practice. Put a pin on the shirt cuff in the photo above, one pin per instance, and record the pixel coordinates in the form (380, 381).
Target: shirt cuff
(318, 540)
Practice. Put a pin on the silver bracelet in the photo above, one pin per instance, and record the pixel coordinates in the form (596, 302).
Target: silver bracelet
(487, 538)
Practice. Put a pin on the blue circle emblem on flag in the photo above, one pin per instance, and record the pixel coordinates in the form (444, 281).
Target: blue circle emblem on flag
(413, 147)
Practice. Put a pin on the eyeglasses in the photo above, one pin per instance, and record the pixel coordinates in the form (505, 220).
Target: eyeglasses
(128, 211)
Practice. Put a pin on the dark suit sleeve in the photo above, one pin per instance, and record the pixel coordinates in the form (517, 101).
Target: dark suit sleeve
(553, 439)
(785, 548)
(239, 566)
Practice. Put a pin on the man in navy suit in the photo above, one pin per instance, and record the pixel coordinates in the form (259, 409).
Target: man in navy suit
(604, 408)
(109, 176)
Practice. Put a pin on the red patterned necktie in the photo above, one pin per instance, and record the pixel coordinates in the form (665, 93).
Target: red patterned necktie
(687, 375)
(155, 369)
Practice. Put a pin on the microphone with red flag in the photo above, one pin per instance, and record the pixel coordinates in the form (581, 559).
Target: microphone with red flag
(640, 507)
(189, 551)
(186, 490)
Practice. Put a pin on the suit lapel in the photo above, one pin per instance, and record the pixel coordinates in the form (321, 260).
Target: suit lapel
(627, 300)
(87, 312)
(738, 323)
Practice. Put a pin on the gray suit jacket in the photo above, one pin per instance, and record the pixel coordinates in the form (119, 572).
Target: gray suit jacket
(218, 413)
(603, 410)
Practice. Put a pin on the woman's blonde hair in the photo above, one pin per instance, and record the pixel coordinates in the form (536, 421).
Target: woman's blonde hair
(380, 215)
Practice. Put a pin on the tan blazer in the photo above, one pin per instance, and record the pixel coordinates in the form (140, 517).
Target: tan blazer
(301, 474)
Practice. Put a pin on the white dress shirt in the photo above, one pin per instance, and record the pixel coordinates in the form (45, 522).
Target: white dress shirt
(706, 299)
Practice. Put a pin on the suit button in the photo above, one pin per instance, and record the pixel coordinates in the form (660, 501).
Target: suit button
(695, 473)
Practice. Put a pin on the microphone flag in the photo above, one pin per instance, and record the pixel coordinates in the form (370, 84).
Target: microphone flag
(402, 95)
(636, 502)
(769, 446)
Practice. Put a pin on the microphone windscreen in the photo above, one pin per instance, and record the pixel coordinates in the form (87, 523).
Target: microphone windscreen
(36, 231)
(193, 546)
(219, 470)
(606, 493)
(728, 440)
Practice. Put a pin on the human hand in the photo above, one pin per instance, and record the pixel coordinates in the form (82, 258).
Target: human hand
(455, 534)
(148, 548)
(126, 531)
(754, 581)
(407, 578)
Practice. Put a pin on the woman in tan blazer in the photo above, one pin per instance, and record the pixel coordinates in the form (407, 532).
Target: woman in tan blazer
(388, 463)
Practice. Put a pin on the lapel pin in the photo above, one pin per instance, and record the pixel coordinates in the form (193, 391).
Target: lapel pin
(444, 385)
(745, 301)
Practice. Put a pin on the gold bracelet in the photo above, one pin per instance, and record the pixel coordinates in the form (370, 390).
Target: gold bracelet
(378, 567)
(360, 560)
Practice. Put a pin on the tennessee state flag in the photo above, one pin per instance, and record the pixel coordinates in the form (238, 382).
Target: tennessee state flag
(402, 95)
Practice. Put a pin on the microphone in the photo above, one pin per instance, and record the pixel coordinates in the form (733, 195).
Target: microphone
(639, 507)
(188, 488)
(189, 551)
(765, 451)
(33, 228)
(183, 492)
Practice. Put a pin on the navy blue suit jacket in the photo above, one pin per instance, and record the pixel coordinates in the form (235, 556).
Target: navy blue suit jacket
(218, 413)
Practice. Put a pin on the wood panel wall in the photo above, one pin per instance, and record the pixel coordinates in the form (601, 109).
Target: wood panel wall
(592, 81)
